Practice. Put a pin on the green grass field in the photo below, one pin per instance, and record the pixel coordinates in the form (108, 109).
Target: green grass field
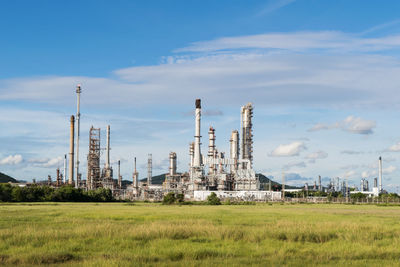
(123, 234)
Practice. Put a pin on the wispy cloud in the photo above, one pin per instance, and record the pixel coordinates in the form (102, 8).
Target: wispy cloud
(11, 160)
(350, 124)
(288, 150)
(274, 5)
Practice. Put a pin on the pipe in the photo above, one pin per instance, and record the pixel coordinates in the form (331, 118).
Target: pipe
(65, 168)
(71, 151)
(108, 148)
(380, 174)
(197, 151)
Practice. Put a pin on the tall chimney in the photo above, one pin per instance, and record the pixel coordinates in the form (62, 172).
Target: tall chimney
(71, 152)
(108, 149)
(197, 151)
(380, 174)
(78, 122)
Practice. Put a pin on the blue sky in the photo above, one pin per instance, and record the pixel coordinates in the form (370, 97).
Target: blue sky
(323, 77)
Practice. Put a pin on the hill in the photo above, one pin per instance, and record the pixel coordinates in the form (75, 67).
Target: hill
(159, 179)
(4, 178)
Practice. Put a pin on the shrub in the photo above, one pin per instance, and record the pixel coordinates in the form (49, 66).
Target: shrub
(213, 199)
(169, 199)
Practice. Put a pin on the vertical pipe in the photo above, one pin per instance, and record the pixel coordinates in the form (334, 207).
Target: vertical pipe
(71, 151)
(197, 151)
(65, 169)
(119, 169)
(78, 120)
(380, 174)
(108, 148)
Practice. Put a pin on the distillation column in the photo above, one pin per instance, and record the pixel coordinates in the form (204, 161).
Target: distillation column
(212, 149)
(135, 176)
(149, 170)
(234, 151)
(247, 135)
(71, 151)
(172, 163)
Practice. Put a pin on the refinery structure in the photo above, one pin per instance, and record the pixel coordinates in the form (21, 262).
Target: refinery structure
(230, 175)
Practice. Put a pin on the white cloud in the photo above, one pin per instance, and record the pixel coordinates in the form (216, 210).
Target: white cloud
(11, 160)
(389, 169)
(274, 5)
(290, 165)
(350, 124)
(298, 41)
(395, 147)
(320, 79)
(46, 162)
(317, 155)
(288, 150)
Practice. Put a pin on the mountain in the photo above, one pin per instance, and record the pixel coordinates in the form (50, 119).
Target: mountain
(159, 179)
(265, 180)
(4, 178)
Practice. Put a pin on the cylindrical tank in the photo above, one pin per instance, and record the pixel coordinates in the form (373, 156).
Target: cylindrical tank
(172, 163)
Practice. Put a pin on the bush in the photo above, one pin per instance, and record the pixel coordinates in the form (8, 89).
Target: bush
(213, 199)
(169, 199)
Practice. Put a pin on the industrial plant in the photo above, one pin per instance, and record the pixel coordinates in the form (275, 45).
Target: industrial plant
(229, 175)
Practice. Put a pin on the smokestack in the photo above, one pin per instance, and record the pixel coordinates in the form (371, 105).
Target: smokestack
(380, 174)
(78, 120)
(234, 149)
(65, 168)
(108, 149)
(197, 151)
(172, 163)
(71, 151)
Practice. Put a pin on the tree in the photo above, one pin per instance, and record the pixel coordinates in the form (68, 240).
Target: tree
(169, 199)
(213, 199)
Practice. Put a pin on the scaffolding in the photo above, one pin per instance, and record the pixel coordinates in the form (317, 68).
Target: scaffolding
(93, 170)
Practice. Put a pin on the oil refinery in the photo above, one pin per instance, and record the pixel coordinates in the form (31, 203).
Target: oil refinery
(229, 175)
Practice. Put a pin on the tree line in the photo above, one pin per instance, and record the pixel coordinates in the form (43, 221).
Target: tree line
(42, 193)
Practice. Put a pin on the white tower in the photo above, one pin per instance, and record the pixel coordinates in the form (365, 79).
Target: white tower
(197, 152)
